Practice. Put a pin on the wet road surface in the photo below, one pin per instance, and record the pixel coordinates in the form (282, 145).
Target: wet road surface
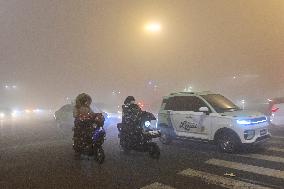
(39, 154)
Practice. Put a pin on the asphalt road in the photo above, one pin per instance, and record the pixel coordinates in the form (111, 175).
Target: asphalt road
(39, 154)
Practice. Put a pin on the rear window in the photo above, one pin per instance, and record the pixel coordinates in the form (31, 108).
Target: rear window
(67, 108)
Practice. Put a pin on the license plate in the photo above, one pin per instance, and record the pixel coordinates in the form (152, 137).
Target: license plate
(263, 132)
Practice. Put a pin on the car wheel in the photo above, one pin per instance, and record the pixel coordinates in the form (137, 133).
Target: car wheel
(165, 138)
(228, 142)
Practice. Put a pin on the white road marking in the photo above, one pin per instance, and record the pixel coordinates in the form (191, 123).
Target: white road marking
(247, 168)
(276, 149)
(221, 181)
(157, 185)
(264, 157)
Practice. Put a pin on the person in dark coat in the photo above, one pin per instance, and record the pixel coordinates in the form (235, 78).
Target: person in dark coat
(131, 117)
(131, 112)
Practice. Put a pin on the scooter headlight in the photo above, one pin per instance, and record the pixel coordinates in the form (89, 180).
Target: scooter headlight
(147, 123)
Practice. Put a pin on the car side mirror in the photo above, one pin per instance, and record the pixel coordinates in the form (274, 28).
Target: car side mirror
(204, 109)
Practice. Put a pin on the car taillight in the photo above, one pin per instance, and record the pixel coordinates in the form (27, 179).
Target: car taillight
(274, 109)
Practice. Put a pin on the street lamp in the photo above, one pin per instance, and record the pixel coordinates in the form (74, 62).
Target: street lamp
(153, 27)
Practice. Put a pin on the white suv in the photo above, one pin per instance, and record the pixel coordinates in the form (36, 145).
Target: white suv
(211, 117)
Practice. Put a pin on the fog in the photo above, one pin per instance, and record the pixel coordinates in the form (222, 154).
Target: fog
(52, 50)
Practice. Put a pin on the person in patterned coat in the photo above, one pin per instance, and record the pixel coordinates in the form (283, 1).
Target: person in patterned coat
(84, 123)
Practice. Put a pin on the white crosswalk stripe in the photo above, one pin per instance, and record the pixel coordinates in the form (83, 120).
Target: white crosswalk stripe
(157, 185)
(247, 168)
(276, 149)
(233, 183)
(264, 157)
(220, 180)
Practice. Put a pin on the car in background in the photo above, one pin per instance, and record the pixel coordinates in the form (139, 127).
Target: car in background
(23, 114)
(8, 114)
(276, 111)
(64, 116)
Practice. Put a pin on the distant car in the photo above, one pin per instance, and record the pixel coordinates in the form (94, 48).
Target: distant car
(276, 111)
(65, 114)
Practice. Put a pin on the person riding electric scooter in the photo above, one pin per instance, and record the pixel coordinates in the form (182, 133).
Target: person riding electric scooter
(88, 129)
(131, 115)
(132, 132)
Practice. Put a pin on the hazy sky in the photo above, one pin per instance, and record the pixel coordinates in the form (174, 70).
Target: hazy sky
(57, 48)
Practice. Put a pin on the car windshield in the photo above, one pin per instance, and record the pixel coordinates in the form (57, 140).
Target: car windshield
(220, 103)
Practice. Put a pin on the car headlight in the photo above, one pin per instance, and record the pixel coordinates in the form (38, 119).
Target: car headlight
(28, 111)
(15, 113)
(37, 111)
(243, 122)
(2, 115)
(249, 134)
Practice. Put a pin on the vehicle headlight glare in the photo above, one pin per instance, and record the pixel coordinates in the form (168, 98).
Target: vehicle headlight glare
(28, 111)
(243, 122)
(2, 115)
(15, 113)
(36, 111)
(147, 123)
